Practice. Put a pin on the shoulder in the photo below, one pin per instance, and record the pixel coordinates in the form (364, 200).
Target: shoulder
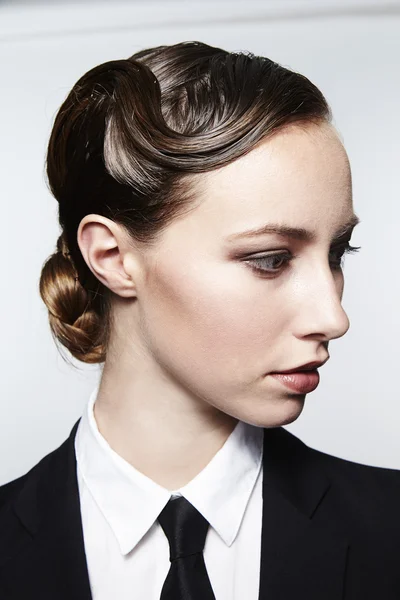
(337, 467)
(10, 490)
(365, 489)
(367, 494)
(357, 500)
(49, 469)
(290, 447)
(358, 474)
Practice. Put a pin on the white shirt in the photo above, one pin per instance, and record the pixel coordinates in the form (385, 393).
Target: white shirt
(126, 549)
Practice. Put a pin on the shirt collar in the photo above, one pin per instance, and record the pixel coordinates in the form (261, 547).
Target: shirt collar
(220, 492)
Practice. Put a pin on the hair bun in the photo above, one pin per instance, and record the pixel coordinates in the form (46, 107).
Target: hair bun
(73, 320)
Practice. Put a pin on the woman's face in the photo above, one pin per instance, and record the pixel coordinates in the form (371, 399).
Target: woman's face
(219, 310)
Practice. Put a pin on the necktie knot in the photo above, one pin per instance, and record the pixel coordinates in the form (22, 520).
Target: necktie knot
(184, 526)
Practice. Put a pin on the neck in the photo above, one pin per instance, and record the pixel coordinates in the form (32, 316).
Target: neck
(161, 430)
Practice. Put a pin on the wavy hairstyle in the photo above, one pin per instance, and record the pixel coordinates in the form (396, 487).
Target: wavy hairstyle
(124, 143)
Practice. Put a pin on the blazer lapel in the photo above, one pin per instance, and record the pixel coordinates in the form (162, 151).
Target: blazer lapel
(303, 555)
(47, 560)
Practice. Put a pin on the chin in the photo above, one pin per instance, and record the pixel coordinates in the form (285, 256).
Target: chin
(291, 410)
(281, 413)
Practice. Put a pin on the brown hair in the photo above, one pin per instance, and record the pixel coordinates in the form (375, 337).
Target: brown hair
(124, 143)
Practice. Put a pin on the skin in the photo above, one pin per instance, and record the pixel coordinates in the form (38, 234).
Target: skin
(197, 330)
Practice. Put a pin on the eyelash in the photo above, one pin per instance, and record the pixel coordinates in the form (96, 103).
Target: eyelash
(286, 258)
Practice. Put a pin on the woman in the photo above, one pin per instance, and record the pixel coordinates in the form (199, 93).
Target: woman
(205, 203)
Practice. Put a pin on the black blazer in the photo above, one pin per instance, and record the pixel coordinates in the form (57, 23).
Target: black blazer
(330, 528)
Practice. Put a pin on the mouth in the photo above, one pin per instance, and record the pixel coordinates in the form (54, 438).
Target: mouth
(303, 379)
(302, 382)
(310, 366)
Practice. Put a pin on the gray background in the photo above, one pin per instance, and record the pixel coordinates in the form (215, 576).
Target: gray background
(351, 50)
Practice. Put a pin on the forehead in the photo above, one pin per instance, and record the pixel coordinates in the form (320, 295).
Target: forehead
(300, 176)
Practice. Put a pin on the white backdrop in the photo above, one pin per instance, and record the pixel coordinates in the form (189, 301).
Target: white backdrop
(351, 50)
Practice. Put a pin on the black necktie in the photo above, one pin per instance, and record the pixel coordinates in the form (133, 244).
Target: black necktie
(186, 530)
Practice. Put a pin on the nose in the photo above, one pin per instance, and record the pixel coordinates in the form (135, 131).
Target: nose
(319, 311)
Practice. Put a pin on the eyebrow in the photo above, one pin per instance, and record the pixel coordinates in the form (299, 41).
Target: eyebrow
(298, 233)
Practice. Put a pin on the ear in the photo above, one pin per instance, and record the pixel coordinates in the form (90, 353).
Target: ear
(109, 254)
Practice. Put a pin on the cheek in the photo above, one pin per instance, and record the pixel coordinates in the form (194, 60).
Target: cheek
(220, 321)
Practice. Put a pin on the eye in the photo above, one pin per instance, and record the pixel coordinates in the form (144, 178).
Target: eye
(270, 263)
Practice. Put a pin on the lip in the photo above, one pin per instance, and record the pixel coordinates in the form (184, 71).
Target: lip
(303, 379)
(302, 382)
(310, 366)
